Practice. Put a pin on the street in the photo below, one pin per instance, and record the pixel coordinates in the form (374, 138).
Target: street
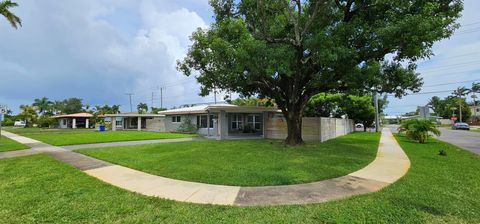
(465, 139)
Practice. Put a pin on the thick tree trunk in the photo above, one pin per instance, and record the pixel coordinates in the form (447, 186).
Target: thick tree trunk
(294, 127)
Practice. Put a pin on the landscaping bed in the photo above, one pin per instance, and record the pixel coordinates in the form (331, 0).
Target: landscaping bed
(247, 162)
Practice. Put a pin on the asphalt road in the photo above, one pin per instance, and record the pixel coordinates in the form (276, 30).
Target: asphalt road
(464, 139)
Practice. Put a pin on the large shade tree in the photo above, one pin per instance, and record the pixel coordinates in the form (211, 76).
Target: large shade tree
(290, 50)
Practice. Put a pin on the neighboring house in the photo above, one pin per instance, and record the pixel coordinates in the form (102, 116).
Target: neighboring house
(136, 121)
(73, 120)
(221, 120)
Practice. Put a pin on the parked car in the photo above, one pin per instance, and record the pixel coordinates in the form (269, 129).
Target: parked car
(19, 124)
(359, 125)
(460, 126)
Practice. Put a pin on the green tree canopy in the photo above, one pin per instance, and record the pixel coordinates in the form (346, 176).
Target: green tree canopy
(14, 20)
(359, 108)
(449, 106)
(142, 108)
(43, 105)
(253, 101)
(72, 105)
(290, 50)
(27, 114)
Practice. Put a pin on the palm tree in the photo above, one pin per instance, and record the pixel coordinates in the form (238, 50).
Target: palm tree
(142, 108)
(115, 109)
(475, 87)
(27, 114)
(43, 105)
(460, 92)
(419, 129)
(14, 20)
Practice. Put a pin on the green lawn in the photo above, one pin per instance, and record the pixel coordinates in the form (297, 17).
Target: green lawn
(436, 189)
(44, 130)
(7, 144)
(247, 162)
(85, 136)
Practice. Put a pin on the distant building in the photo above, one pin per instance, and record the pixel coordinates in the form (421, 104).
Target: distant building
(73, 120)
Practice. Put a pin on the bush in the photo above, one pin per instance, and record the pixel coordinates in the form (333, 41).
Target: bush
(8, 121)
(46, 121)
(418, 129)
(187, 127)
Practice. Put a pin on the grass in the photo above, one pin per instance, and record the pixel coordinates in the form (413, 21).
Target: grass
(436, 189)
(247, 162)
(7, 144)
(45, 130)
(84, 136)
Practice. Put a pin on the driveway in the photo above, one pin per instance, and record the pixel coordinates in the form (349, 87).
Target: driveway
(464, 139)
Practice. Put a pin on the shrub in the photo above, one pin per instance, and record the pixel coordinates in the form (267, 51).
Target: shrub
(187, 127)
(46, 121)
(418, 129)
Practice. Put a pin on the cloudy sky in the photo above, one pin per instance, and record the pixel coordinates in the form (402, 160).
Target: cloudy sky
(99, 50)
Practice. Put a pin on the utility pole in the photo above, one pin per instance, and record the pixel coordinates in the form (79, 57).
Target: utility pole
(3, 110)
(151, 105)
(377, 122)
(215, 95)
(161, 97)
(130, 98)
(460, 108)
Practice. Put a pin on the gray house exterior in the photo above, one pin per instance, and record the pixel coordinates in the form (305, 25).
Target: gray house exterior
(136, 121)
(221, 121)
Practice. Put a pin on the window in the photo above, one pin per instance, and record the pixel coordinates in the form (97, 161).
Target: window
(133, 121)
(254, 121)
(176, 119)
(64, 121)
(118, 121)
(237, 121)
(202, 121)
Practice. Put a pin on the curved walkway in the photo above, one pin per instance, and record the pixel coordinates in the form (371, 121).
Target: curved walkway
(390, 164)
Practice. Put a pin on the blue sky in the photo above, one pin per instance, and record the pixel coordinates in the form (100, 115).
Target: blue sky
(99, 50)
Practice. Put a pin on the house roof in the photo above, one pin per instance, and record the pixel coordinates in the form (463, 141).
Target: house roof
(81, 115)
(132, 114)
(201, 109)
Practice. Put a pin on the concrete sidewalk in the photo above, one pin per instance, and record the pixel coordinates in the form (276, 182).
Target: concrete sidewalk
(390, 164)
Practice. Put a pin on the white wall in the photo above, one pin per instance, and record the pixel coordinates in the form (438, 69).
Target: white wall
(313, 128)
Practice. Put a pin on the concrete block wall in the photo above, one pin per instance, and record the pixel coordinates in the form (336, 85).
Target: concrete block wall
(156, 124)
(313, 129)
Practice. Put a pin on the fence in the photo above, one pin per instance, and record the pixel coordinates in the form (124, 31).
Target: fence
(313, 128)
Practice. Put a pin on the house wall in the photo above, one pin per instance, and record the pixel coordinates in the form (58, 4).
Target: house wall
(169, 126)
(313, 128)
(61, 124)
(445, 121)
(156, 124)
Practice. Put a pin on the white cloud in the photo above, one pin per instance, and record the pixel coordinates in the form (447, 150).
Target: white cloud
(97, 50)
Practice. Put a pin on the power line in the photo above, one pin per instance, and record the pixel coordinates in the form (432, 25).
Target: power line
(444, 84)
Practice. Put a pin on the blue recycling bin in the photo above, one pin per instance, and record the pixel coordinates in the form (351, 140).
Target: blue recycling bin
(101, 127)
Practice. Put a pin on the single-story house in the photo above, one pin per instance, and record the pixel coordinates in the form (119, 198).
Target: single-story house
(73, 120)
(136, 121)
(221, 120)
